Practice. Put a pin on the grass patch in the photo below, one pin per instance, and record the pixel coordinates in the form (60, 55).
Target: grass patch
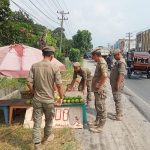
(19, 138)
(64, 140)
(15, 138)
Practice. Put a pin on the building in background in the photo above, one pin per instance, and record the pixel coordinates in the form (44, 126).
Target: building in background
(143, 41)
(123, 45)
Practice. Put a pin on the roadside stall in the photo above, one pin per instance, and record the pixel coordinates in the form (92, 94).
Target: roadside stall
(15, 62)
(71, 114)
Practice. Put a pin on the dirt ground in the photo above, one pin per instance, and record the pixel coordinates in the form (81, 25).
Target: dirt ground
(132, 133)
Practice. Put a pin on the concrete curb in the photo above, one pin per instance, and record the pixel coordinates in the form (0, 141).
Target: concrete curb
(139, 103)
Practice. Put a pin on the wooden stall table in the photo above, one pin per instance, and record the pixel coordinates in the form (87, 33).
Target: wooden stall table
(17, 104)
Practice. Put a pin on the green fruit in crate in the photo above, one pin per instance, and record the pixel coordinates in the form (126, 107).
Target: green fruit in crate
(68, 101)
(28, 102)
(72, 101)
(31, 102)
(77, 100)
(81, 101)
(65, 100)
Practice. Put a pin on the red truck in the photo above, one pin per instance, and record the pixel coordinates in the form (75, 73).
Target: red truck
(138, 63)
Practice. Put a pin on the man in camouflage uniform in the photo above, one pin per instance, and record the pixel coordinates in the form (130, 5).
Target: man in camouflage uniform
(86, 79)
(99, 89)
(42, 77)
(117, 82)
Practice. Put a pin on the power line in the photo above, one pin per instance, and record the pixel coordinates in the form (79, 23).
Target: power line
(65, 5)
(72, 27)
(44, 5)
(52, 5)
(25, 11)
(59, 4)
(43, 12)
(32, 16)
(56, 6)
(69, 29)
(48, 4)
(26, 4)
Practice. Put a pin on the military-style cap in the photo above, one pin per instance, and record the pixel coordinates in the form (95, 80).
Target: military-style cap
(116, 51)
(49, 48)
(76, 64)
(95, 50)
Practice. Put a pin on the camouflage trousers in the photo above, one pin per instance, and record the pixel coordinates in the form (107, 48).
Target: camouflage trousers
(38, 110)
(88, 84)
(100, 106)
(118, 102)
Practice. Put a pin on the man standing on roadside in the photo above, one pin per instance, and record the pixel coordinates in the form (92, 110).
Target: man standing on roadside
(42, 77)
(99, 88)
(85, 82)
(117, 82)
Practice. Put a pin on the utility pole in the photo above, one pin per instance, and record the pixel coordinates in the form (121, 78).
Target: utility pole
(129, 35)
(61, 24)
(108, 46)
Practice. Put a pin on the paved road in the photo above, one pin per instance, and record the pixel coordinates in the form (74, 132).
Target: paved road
(140, 86)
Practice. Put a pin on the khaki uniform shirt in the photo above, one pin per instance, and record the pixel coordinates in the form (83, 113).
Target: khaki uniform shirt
(119, 67)
(85, 73)
(43, 75)
(100, 69)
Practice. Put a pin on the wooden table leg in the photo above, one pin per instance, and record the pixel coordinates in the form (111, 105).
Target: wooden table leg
(10, 115)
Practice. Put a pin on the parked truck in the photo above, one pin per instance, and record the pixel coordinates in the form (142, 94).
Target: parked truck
(138, 63)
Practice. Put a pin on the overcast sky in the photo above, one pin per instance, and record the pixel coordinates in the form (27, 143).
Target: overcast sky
(107, 20)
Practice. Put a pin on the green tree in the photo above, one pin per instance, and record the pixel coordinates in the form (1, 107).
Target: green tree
(74, 55)
(7, 33)
(82, 41)
(22, 17)
(17, 32)
(60, 56)
(57, 33)
(19, 28)
(66, 46)
(50, 40)
(5, 11)
(5, 14)
(38, 29)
